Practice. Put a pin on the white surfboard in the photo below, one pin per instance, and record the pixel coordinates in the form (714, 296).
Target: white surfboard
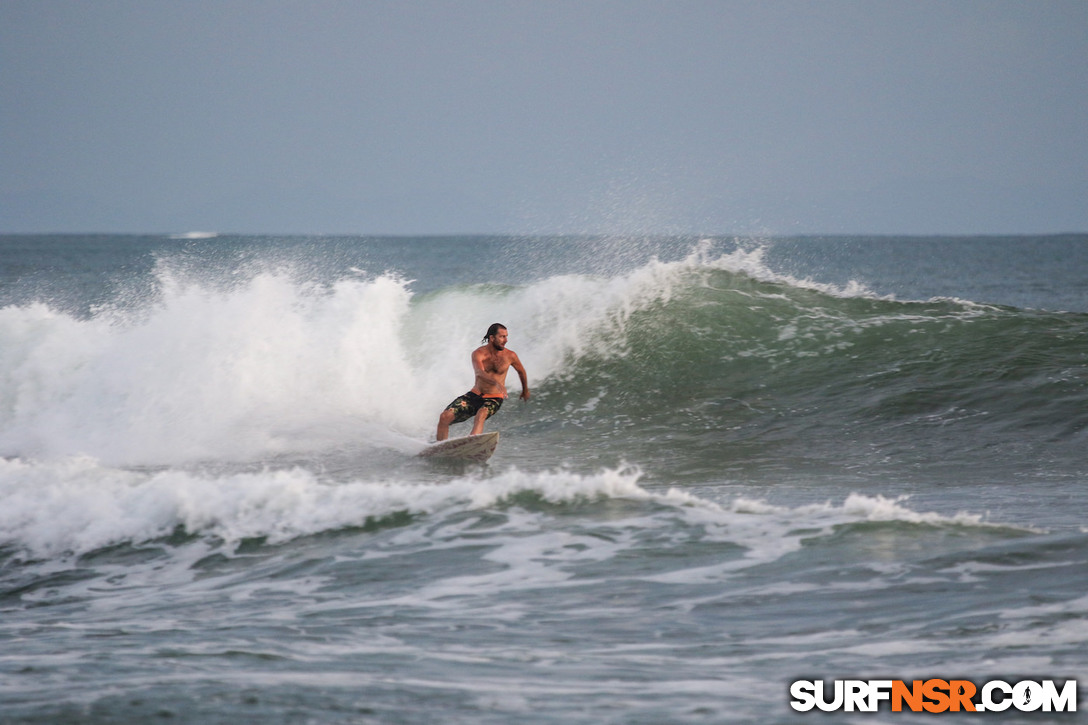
(468, 448)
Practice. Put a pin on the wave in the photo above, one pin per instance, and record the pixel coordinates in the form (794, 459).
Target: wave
(259, 369)
(207, 364)
(731, 361)
(673, 357)
(78, 506)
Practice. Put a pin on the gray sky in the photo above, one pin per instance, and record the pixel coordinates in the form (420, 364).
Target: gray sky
(467, 116)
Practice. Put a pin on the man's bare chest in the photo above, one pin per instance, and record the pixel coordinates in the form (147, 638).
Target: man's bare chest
(496, 364)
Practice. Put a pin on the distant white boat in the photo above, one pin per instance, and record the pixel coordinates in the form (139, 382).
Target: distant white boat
(195, 235)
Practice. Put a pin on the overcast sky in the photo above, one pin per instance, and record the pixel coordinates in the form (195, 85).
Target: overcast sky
(471, 116)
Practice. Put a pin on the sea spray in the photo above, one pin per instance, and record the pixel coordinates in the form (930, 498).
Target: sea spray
(263, 368)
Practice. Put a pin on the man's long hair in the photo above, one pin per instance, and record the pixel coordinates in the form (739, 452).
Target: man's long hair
(493, 330)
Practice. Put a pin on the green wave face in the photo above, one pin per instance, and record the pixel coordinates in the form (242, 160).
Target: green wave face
(728, 368)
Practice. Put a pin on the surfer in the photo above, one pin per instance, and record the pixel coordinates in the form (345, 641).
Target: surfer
(491, 361)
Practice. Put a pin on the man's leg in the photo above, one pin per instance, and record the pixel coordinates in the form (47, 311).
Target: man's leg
(478, 421)
(444, 422)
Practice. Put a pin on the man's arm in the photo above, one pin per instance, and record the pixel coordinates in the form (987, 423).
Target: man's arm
(478, 358)
(520, 369)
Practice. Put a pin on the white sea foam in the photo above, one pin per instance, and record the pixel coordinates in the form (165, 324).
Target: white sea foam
(79, 505)
(751, 261)
(267, 367)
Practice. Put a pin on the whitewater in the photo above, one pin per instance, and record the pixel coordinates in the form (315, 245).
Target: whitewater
(745, 462)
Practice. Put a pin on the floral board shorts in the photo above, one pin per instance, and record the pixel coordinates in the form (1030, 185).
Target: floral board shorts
(469, 404)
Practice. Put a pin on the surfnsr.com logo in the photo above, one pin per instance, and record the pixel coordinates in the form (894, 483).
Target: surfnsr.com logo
(934, 695)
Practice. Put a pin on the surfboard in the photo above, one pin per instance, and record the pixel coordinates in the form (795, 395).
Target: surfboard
(468, 448)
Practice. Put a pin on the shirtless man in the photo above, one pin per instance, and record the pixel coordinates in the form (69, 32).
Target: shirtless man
(491, 361)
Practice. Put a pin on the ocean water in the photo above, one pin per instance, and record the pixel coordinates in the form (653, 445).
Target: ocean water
(745, 462)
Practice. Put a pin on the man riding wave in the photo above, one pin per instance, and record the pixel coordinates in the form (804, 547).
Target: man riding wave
(491, 361)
